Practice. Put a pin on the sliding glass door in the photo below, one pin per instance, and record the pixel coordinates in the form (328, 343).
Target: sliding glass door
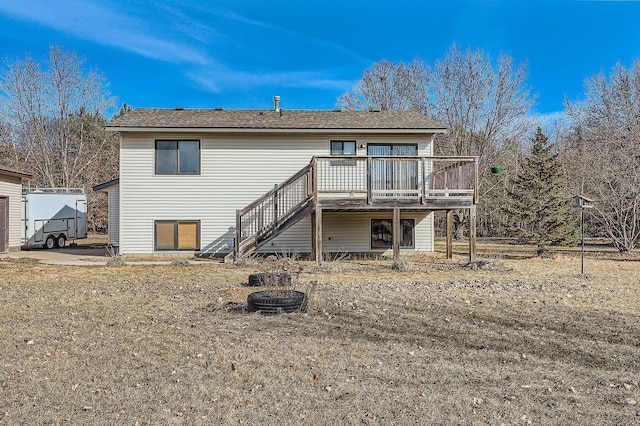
(393, 175)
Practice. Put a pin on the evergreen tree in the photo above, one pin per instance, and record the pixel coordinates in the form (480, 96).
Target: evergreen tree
(539, 209)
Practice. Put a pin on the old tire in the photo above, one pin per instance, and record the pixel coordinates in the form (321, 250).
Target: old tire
(61, 241)
(269, 279)
(276, 302)
(50, 242)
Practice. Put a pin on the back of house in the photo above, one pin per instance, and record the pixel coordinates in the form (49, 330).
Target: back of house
(215, 181)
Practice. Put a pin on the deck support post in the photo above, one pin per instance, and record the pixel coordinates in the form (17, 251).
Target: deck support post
(312, 215)
(472, 234)
(396, 234)
(449, 237)
(238, 236)
(317, 234)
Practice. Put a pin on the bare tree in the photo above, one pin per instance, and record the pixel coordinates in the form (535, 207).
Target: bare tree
(485, 108)
(606, 151)
(40, 106)
(53, 121)
(389, 86)
(482, 106)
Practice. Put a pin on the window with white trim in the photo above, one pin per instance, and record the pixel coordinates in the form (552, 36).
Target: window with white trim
(177, 157)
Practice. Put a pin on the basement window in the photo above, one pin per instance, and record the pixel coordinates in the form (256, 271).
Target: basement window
(177, 235)
(174, 157)
(382, 234)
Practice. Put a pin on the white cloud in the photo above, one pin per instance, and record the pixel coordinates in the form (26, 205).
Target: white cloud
(202, 40)
(216, 80)
(93, 22)
(284, 33)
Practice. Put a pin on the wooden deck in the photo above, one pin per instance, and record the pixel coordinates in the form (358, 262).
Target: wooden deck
(351, 183)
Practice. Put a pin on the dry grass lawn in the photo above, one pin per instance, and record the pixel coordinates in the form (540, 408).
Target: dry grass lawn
(519, 340)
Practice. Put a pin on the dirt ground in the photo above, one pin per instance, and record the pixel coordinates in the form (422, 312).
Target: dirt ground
(512, 339)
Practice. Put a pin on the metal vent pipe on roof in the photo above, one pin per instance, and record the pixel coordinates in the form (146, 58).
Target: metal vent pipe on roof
(276, 103)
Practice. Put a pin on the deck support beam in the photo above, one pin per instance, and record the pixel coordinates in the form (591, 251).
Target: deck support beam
(396, 234)
(312, 216)
(472, 234)
(237, 237)
(316, 232)
(449, 237)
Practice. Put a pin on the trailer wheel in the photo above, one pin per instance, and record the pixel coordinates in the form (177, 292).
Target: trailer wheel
(50, 242)
(61, 241)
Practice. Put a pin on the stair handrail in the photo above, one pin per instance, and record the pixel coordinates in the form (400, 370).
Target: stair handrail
(274, 196)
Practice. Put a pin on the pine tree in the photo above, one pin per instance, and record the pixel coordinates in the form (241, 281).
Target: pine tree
(539, 209)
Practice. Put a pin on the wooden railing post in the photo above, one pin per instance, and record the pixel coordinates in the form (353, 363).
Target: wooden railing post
(314, 180)
(424, 181)
(275, 204)
(369, 184)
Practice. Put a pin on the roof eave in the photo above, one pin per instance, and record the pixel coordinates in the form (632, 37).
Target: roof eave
(104, 186)
(236, 130)
(14, 173)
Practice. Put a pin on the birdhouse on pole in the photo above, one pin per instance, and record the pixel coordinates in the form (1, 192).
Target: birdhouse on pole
(583, 202)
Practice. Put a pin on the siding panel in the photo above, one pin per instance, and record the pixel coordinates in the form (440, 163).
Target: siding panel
(351, 232)
(12, 187)
(113, 200)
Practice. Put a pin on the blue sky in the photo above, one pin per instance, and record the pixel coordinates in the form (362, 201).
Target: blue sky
(240, 53)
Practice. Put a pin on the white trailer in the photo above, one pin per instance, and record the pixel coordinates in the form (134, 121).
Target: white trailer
(52, 216)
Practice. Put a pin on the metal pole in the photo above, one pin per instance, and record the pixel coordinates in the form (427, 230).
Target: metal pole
(582, 237)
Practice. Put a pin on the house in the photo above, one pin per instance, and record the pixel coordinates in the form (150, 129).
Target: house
(224, 182)
(10, 209)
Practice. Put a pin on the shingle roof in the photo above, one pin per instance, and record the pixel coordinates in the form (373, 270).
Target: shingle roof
(269, 119)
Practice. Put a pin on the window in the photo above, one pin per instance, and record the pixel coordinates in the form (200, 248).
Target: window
(343, 148)
(177, 157)
(382, 233)
(177, 235)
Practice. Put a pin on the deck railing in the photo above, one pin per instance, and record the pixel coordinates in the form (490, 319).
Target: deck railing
(374, 179)
(388, 178)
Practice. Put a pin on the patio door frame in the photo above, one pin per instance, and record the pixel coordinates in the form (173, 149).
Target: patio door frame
(386, 174)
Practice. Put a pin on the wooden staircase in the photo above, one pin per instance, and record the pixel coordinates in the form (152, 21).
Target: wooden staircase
(285, 205)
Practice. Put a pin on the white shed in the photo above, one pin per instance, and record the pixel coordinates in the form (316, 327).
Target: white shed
(112, 189)
(10, 202)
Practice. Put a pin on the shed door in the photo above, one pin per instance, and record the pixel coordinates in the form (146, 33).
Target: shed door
(4, 224)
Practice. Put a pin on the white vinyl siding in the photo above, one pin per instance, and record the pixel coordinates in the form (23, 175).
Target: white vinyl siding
(113, 199)
(351, 232)
(234, 172)
(11, 187)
